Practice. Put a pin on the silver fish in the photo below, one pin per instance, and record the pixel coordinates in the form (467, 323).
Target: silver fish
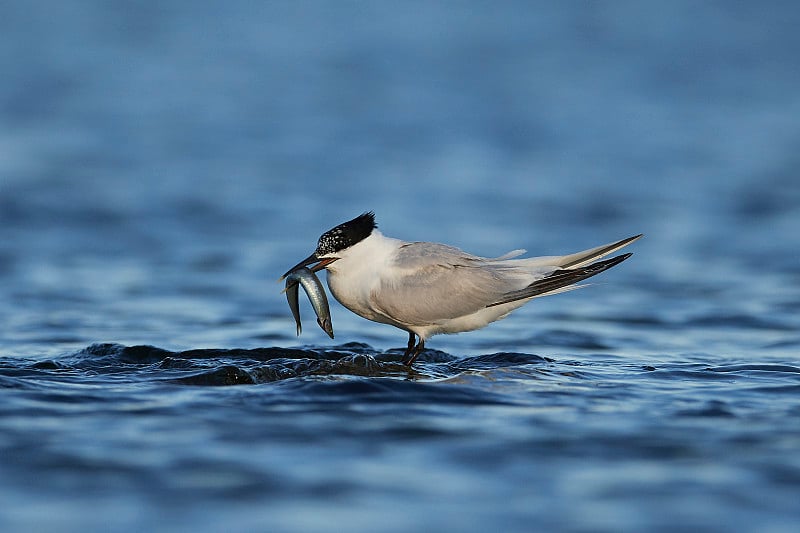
(316, 295)
(291, 290)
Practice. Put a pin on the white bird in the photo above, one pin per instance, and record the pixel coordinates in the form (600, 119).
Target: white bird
(428, 288)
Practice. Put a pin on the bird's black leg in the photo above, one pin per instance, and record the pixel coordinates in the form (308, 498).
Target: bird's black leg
(407, 353)
(408, 361)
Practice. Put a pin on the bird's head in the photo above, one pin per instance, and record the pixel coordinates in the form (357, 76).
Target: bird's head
(336, 240)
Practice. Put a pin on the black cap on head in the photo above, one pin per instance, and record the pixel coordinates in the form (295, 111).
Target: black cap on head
(346, 234)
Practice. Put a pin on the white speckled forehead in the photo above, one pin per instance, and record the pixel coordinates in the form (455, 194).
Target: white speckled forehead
(346, 234)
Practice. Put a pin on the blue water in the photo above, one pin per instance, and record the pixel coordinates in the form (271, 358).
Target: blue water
(161, 164)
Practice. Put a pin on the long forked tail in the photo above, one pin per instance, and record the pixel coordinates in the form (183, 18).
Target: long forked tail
(573, 268)
(587, 256)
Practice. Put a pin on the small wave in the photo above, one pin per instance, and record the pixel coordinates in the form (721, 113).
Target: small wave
(569, 339)
(392, 391)
(224, 375)
(712, 409)
(497, 360)
(738, 322)
(756, 368)
(784, 344)
(225, 367)
(220, 367)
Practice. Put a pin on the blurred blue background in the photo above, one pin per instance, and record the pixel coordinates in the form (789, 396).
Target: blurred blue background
(142, 141)
(162, 163)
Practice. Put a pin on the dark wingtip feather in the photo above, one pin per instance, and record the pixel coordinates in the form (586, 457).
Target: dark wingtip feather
(560, 279)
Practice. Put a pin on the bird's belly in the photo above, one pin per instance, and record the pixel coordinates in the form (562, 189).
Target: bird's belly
(471, 322)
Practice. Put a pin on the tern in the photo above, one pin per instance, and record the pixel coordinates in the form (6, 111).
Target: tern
(426, 288)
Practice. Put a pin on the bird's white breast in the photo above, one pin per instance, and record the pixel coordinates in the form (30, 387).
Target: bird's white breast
(358, 273)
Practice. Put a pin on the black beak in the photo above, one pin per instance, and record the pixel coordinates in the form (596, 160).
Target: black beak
(305, 262)
(321, 263)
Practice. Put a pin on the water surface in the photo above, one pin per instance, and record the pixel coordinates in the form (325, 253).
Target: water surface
(161, 166)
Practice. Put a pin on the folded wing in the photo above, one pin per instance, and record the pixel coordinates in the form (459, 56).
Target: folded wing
(440, 282)
(559, 280)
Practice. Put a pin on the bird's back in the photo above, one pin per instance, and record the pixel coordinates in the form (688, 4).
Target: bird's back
(429, 283)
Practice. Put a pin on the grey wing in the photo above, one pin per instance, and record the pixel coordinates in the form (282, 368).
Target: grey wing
(439, 283)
